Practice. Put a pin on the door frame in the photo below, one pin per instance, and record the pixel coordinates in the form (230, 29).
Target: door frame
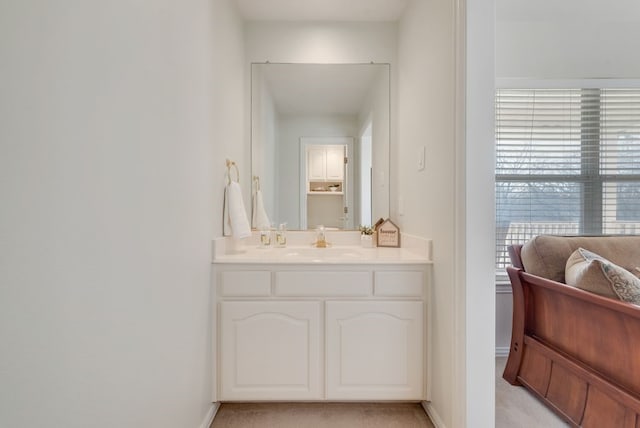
(348, 179)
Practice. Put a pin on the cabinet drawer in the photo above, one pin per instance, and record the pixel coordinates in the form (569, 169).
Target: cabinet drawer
(323, 284)
(399, 283)
(245, 283)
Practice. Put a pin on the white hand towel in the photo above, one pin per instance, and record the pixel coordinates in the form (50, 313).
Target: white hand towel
(236, 223)
(260, 217)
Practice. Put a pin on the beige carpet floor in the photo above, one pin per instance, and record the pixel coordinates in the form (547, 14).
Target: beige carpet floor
(517, 408)
(321, 415)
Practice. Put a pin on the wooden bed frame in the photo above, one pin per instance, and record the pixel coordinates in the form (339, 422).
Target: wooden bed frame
(576, 351)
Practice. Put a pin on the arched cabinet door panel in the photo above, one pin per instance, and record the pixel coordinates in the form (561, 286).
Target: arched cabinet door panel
(375, 350)
(270, 351)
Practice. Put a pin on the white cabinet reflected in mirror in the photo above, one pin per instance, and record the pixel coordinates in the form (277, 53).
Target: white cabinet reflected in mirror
(327, 195)
(320, 141)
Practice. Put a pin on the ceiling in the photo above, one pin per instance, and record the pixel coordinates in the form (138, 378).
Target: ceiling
(321, 10)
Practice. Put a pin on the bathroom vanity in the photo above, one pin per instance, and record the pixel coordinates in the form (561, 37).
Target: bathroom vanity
(311, 324)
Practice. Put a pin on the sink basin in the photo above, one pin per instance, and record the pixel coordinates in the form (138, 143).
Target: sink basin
(324, 253)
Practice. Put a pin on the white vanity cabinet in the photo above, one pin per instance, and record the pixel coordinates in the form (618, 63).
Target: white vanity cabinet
(321, 332)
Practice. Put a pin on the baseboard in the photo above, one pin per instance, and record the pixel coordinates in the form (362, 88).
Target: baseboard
(433, 415)
(208, 420)
(502, 351)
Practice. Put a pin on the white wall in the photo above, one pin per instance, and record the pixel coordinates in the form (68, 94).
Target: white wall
(476, 229)
(574, 39)
(228, 118)
(231, 96)
(107, 213)
(445, 99)
(424, 201)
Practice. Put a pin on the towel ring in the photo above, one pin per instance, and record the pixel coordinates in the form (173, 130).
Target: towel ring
(230, 164)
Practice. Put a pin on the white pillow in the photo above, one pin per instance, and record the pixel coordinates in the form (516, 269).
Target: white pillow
(594, 273)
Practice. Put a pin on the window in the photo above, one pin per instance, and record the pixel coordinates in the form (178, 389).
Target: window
(567, 162)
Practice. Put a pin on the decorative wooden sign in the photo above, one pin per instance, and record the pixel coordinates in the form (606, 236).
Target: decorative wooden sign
(388, 234)
(378, 223)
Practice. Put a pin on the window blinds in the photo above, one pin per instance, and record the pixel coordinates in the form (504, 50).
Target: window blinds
(567, 162)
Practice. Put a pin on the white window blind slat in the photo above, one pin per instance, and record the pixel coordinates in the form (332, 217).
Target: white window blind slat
(567, 162)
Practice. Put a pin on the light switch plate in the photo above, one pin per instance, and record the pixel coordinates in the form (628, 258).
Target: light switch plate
(421, 158)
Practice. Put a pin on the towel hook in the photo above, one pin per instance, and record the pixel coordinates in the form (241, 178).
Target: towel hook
(257, 180)
(230, 164)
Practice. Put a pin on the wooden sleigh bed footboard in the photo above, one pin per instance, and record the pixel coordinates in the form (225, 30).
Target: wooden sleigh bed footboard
(576, 351)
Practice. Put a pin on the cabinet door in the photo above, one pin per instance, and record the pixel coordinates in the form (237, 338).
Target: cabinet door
(375, 350)
(335, 163)
(270, 351)
(316, 163)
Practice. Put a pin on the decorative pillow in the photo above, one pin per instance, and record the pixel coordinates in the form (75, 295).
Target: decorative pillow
(594, 273)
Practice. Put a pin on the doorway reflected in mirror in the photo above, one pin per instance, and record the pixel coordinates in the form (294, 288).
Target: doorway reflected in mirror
(293, 104)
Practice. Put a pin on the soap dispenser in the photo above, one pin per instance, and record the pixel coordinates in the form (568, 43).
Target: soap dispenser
(321, 240)
(281, 235)
(265, 237)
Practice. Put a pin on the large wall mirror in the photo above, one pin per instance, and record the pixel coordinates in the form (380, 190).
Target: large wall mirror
(320, 141)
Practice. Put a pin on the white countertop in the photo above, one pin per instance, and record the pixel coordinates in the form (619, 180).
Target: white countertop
(344, 249)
